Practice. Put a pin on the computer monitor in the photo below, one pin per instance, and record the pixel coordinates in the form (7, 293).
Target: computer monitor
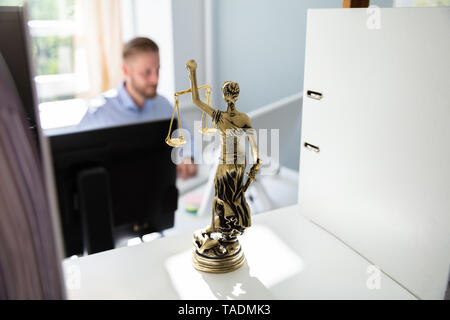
(15, 49)
(112, 179)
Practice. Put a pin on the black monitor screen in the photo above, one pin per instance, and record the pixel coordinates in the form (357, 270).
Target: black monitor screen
(140, 174)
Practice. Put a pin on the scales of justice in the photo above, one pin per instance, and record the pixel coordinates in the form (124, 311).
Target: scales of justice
(216, 247)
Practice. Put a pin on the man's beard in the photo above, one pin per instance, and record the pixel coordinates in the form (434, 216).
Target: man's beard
(142, 91)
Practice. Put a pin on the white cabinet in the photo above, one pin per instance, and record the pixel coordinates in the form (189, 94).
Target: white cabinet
(381, 181)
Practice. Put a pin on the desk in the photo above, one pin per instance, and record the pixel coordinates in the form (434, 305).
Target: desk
(282, 189)
(306, 263)
(202, 176)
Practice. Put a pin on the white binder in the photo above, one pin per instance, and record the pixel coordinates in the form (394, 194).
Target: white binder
(379, 111)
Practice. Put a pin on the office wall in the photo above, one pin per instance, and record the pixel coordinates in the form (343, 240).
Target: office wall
(189, 43)
(189, 39)
(178, 28)
(127, 19)
(153, 19)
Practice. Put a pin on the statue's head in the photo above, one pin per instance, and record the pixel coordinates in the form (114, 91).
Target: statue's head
(230, 91)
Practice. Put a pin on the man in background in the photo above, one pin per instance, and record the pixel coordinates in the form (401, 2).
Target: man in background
(137, 99)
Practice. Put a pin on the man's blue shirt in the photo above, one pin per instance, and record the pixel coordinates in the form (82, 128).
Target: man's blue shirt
(116, 107)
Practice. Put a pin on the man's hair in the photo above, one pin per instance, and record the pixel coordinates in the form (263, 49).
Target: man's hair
(138, 45)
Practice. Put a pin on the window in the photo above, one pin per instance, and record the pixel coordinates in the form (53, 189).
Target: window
(52, 29)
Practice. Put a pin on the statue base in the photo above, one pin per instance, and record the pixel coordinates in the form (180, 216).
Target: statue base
(213, 254)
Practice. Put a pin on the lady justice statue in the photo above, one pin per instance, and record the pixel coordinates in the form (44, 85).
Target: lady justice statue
(216, 248)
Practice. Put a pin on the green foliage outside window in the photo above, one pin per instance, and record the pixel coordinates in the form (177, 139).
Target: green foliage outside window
(45, 9)
(52, 54)
(49, 52)
(432, 3)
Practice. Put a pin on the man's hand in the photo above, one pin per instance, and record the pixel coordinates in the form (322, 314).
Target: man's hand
(187, 169)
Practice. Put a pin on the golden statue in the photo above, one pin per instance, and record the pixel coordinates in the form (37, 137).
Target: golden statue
(216, 248)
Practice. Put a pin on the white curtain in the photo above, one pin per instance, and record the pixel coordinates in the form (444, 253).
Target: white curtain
(98, 46)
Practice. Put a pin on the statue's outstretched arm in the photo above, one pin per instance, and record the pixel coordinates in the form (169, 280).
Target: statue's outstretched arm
(191, 65)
